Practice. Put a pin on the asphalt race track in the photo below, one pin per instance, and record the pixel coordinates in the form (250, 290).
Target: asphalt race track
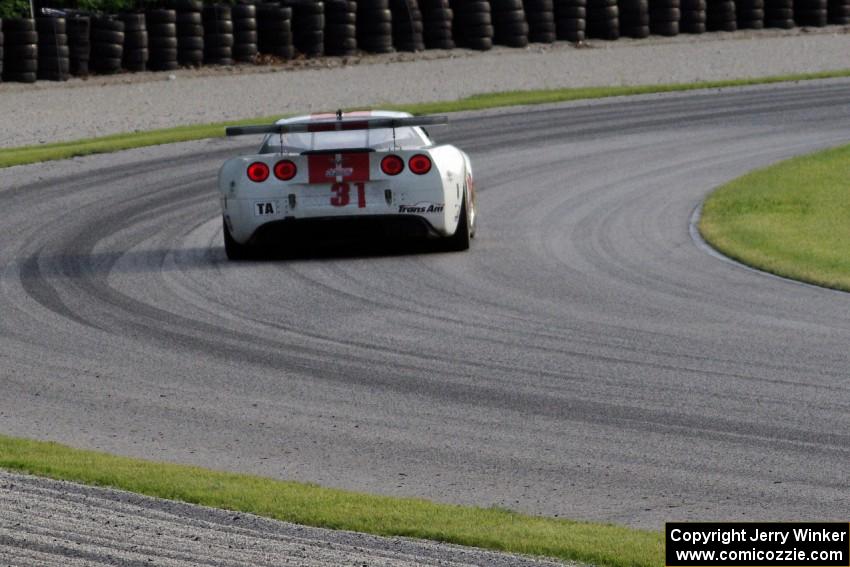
(584, 359)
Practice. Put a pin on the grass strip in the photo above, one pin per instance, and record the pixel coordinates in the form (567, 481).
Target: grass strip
(312, 505)
(63, 150)
(788, 219)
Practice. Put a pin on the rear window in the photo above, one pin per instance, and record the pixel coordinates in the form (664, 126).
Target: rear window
(378, 139)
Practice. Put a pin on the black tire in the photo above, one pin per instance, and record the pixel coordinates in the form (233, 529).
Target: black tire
(107, 23)
(515, 28)
(668, 29)
(133, 21)
(22, 65)
(218, 27)
(19, 76)
(50, 26)
(244, 11)
(19, 52)
(570, 25)
(244, 37)
(217, 12)
(160, 16)
(375, 29)
(244, 51)
(107, 65)
(218, 40)
(189, 30)
(163, 42)
(538, 5)
(20, 37)
(54, 51)
(692, 18)
(506, 5)
(512, 40)
(190, 43)
(136, 40)
(18, 24)
(471, 7)
(191, 18)
(480, 31)
(134, 56)
(542, 37)
(459, 241)
(107, 51)
(107, 36)
(245, 24)
(312, 22)
(346, 18)
(188, 5)
(537, 17)
(192, 57)
(548, 27)
(479, 43)
(162, 30)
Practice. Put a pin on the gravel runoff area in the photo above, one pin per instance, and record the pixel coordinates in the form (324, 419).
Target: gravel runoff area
(49, 112)
(46, 523)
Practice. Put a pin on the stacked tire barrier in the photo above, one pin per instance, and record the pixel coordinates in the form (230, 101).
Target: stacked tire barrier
(79, 44)
(473, 24)
(190, 33)
(54, 62)
(540, 15)
(509, 24)
(274, 30)
(437, 21)
(245, 32)
(340, 27)
(779, 14)
(375, 26)
(838, 12)
(407, 25)
(693, 16)
(135, 56)
(634, 18)
(810, 13)
(308, 27)
(20, 51)
(164, 47)
(664, 17)
(720, 15)
(570, 19)
(107, 44)
(750, 14)
(603, 19)
(218, 34)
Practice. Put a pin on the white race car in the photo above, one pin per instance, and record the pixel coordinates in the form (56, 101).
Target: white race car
(372, 173)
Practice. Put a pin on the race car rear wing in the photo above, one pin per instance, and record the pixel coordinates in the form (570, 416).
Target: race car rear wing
(338, 124)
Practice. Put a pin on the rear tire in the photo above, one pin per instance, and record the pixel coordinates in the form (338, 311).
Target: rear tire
(459, 241)
(233, 249)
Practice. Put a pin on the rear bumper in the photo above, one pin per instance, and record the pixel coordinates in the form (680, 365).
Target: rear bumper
(338, 228)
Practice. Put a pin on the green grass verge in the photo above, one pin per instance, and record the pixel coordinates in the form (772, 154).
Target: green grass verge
(312, 505)
(790, 219)
(32, 154)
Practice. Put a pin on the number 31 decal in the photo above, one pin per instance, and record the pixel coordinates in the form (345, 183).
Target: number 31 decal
(341, 194)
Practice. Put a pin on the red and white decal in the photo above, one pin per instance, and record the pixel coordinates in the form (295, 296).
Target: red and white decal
(330, 168)
(325, 122)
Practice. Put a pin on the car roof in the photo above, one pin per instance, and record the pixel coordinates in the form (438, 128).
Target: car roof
(354, 115)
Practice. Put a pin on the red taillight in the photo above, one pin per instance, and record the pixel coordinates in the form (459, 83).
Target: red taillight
(258, 172)
(420, 164)
(392, 165)
(285, 170)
